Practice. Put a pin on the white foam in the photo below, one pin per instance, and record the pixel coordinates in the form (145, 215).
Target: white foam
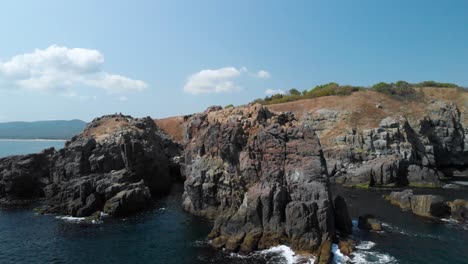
(338, 257)
(365, 245)
(362, 255)
(71, 218)
(281, 253)
(77, 220)
(285, 251)
(372, 257)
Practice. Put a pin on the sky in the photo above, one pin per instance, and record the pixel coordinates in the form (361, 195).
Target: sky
(83, 59)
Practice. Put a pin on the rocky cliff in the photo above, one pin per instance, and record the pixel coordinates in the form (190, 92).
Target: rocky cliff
(115, 165)
(261, 176)
(370, 139)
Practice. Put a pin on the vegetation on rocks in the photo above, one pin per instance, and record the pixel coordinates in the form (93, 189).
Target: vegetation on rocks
(399, 90)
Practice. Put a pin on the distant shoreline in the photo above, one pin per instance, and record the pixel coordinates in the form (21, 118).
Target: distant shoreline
(31, 139)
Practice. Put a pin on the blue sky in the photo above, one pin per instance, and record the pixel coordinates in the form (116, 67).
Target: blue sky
(82, 59)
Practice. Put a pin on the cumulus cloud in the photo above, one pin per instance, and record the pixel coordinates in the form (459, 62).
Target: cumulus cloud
(272, 92)
(58, 68)
(218, 80)
(263, 74)
(213, 81)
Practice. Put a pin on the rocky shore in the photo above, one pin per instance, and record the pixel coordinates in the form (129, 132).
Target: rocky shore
(262, 176)
(114, 166)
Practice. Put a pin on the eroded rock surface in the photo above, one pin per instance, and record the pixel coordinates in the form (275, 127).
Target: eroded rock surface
(261, 176)
(397, 152)
(116, 165)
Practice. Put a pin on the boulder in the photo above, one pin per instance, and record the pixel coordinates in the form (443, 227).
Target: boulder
(459, 210)
(401, 199)
(429, 206)
(369, 222)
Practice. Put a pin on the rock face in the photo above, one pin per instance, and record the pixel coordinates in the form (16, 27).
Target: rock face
(261, 176)
(397, 152)
(459, 210)
(423, 205)
(116, 165)
(342, 219)
(24, 177)
(401, 199)
(429, 206)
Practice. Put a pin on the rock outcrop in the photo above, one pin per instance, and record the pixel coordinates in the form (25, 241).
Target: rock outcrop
(459, 210)
(24, 177)
(398, 152)
(426, 205)
(343, 221)
(261, 176)
(369, 222)
(116, 165)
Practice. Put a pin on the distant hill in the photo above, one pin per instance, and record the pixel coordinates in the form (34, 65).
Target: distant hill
(56, 129)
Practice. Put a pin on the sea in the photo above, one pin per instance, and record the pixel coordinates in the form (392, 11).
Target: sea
(166, 234)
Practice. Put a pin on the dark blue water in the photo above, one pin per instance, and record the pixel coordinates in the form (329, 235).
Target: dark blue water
(406, 237)
(167, 234)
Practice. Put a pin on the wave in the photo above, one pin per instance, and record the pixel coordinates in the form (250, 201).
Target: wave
(450, 222)
(365, 245)
(78, 220)
(396, 229)
(362, 255)
(288, 254)
(279, 254)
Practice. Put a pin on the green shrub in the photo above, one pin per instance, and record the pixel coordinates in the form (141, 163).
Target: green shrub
(401, 90)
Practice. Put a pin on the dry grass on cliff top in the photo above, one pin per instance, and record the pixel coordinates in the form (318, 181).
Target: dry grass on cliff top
(361, 108)
(106, 127)
(172, 126)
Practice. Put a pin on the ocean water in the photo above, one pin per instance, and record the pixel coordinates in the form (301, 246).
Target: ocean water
(167, 234)
(17, 147)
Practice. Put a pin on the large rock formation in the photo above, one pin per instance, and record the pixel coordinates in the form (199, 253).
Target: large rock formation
(116, 165)
(24, 177)
(261, 176)
(397, 152)
(426, 205)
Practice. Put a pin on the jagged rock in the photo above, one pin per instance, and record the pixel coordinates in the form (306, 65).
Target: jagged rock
(261, 176)
(389, 122)
(343, 221)
(423, 175)
(115, 165)
(398, 152)
(429, 206)
(24, 176)
(401, 199)
(459, 210)
(347, 247)
(134, 198)
(369, 222)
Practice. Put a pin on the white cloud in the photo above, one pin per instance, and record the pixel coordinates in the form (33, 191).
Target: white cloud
(272, 92)
(263, 74)
(219, 80)
(213, 81)
(60, 69)
(123, 98)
